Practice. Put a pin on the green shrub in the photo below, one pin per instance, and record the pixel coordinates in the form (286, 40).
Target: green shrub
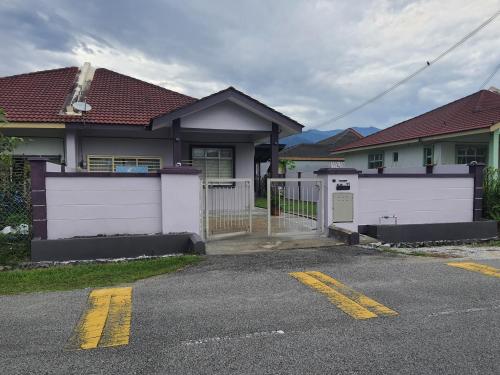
(17, 218)
(491, 193)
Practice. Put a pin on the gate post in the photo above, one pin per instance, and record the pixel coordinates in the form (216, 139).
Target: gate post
(477, 171)
(38, 168)
(339, 180)
(180, 200)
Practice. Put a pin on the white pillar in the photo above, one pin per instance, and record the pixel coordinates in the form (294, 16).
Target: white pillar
(335, 180)
(70, 150)
(181, 200)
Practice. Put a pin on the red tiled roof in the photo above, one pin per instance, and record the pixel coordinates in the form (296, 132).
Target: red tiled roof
(476, 111)
(119, 99)
(115, 98)
(38, 96)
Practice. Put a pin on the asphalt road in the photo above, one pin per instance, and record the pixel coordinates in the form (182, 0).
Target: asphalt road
(246, 315)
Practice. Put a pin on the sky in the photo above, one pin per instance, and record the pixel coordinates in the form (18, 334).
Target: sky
(310, 59)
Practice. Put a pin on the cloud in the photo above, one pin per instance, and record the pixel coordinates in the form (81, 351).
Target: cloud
(311, 59)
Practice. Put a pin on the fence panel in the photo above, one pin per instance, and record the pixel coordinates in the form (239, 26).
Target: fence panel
(15, 213)
(228, 207)
(294, 206)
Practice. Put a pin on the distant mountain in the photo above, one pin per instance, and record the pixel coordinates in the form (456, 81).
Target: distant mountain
(314, 135)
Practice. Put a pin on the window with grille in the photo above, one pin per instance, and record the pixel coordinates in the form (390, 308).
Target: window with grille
(468, 154)
(376, 160)
(214, 162)
(110, 163)
(428, 156)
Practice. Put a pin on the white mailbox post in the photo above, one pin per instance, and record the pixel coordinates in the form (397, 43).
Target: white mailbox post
(340, 193)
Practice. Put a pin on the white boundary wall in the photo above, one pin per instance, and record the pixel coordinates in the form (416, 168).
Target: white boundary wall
(91, 206)
(102, 204)
(415, 200)
(411, 199)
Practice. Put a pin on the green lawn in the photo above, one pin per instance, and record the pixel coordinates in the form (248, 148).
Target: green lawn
(288, 205)
(89, 275)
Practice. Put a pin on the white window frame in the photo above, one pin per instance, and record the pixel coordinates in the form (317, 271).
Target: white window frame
(475, 147)
(219, 158)
(376, 160)
(114, 159)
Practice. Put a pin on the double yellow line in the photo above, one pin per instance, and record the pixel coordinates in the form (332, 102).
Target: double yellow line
(476, 267)
(106, 320)
(346, 299)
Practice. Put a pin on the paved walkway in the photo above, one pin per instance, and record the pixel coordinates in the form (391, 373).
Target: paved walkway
(260, 242)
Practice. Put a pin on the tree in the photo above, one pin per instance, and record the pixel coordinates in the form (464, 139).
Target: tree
(286, 165)
(7, 144)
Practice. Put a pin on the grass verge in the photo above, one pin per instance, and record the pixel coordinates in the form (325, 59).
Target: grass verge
(492, 243)
(89, 275)
(414, 253)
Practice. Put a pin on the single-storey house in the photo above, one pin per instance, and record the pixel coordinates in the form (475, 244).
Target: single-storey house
(459, 132)
(98, 120)
(309, 157)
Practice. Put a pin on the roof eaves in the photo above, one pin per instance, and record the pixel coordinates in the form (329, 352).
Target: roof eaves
(226, 94)
(343, 150)
(377, 134)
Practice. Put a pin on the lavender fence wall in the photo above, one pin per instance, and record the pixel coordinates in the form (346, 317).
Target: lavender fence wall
(91, 206)
(415, 200)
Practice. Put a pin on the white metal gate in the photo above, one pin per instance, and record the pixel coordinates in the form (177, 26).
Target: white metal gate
(294, 206)
(227, 206)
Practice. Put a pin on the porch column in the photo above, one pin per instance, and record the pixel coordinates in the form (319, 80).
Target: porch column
(494, 149)
(177, 144)
(274, 141)
(70, 157)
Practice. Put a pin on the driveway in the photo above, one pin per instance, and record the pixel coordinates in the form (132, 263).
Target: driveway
(247, 314)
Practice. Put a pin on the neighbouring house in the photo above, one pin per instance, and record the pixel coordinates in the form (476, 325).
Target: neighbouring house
(98, 120)
(459, 132)
(309, 157)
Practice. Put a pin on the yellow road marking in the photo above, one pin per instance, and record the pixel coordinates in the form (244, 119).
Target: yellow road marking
(106, 321)
(357, 297)
(342, 302)
(476, 267)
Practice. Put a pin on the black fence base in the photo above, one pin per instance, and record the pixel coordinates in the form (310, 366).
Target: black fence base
(112, 247)
(474, 230)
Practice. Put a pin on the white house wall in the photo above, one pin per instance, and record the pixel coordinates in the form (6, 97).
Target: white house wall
(226, 116)
(310, 165)
(408, 156)
(127, 147)
(414, 200)
(40, 146)
(244, 160)
(308, 190)
(91, 206)
(412, 155)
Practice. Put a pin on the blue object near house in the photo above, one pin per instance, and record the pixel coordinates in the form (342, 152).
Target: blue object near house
(131, 169)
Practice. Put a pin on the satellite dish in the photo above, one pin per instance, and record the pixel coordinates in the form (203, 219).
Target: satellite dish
(82, 106)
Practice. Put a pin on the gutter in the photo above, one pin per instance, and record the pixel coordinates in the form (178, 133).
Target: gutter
(34, 125)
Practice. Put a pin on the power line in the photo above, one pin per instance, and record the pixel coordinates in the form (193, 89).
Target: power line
(490, 77)
(415, 73)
